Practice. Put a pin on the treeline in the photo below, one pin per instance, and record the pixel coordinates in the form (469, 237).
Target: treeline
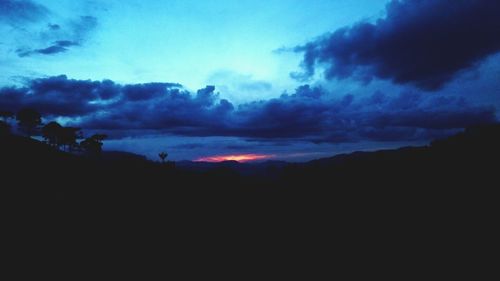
(70, 139)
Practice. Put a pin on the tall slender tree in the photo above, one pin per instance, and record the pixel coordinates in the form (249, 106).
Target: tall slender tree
(163, 156)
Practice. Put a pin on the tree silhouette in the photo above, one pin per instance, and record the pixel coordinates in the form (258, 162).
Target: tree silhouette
(163, 156)
(52, 133)
(29, 121)
(93, 145)
(67, 137)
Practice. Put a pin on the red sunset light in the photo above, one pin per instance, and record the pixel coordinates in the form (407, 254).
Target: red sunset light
(235, 157)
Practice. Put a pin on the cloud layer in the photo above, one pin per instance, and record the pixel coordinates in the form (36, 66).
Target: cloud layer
(310, 113)
(425, 43)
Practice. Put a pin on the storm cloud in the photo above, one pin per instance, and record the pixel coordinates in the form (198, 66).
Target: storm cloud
(309, 113)
(425, 43)
(312, 113)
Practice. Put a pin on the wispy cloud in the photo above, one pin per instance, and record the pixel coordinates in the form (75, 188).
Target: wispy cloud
(36, 30)
(16, 12)
(60, 46)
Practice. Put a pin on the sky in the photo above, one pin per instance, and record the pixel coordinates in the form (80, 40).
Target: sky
(287, 80)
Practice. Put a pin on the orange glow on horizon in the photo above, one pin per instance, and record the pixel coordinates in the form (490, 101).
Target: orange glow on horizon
(235, 157)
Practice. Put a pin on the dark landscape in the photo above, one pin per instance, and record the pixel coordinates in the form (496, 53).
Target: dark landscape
(453, 172)
(435, 195)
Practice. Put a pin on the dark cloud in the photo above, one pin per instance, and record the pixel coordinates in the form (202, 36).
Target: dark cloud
(54, 49)
(17, 11)
(73, 34)
(65, 43)
(188, 145)
(60, 46)
(147, 91)
(310, 113)
(60, 96)
(54, 26)
(56, 96)
(421, 42)
(237, 147)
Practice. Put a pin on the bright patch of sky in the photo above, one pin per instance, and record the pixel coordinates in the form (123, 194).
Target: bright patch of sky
(230, 44)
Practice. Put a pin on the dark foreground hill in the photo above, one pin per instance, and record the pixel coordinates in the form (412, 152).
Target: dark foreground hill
(436, 202)
(461, 166)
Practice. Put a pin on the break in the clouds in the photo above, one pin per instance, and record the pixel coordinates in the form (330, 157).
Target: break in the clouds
(310, 113)
(425, 43)
(239, 87)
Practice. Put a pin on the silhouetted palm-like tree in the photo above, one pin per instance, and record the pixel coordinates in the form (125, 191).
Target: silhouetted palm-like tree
(163, 156)
(29, 121)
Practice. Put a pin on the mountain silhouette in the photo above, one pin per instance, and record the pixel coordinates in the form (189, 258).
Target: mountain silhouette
(425, 198)
(462, 163)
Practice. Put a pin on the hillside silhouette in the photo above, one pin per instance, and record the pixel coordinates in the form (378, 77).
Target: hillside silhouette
(461, 163)
(425, 198)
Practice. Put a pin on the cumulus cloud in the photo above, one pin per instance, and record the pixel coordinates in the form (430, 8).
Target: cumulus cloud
(57, 96)
(310, 113)
(425, 43)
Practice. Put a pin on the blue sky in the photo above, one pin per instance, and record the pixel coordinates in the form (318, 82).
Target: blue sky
(295, 79)
(191, 42)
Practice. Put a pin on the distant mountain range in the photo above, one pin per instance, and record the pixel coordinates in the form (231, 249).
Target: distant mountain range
(481, 141)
